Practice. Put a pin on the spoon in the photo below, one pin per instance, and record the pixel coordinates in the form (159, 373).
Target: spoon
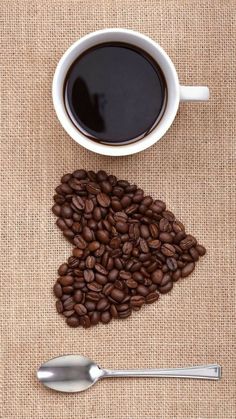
(74, 373)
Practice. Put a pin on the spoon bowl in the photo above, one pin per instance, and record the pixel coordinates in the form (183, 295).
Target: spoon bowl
(69, 373)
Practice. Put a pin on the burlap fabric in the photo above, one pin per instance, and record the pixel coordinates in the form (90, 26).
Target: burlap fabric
(192, 169)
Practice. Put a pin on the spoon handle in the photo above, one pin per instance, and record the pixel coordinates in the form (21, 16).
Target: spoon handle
(206, 372)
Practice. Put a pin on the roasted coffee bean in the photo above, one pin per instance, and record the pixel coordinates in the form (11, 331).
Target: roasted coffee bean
(80, 309)
(89, 275)
(113, 311)
(80, 242)
(176, 275)
(59, 306)
(168, 250)
(166, 288)
(103, 304)
(73, 321)
(63, 269)
(124, 314)
(122, 227)
(95, 318)
(107, 289)
(103, 199)
(66, 280)
(157, 276)
(93, 188)
(142, 290)
(201, 250)
(105, 317)
(166, 237)
(188, 242)
(117, 294)
(78, 296)
(88, 234)
(78, 202)
(101, 279)
(94, 286)
(90, 262)
(57, 289)
(152, 297)
(103, 236)
(194, 254)
(171, 263)
(188, 269)
(100, 269)
(154, 244)
(93, 296)
(128, 247)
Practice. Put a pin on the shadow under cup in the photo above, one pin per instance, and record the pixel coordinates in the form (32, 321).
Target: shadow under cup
(115, 93)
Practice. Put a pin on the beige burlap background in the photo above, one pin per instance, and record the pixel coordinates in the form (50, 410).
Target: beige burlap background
(192, 168)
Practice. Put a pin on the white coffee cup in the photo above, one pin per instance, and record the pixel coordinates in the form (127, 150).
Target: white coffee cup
(175, 92)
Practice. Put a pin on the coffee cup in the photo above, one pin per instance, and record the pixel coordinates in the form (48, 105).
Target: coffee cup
(175, 93)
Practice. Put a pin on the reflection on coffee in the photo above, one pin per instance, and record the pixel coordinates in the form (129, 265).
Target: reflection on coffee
(115, 93)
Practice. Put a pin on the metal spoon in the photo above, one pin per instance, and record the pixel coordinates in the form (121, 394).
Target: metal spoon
(73, 373)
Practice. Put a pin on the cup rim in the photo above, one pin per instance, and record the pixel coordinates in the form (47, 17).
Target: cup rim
(105, 149)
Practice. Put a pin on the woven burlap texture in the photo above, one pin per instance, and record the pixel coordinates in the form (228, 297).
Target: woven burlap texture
(192, 169)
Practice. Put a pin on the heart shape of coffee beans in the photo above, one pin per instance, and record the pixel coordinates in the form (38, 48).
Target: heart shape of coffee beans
(128, 250)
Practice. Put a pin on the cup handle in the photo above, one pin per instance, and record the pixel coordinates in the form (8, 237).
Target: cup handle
(194, 93)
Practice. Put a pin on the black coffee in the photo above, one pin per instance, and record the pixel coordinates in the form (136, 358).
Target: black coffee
(115, 93)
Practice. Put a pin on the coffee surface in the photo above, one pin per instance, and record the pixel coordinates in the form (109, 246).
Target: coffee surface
(115, 93)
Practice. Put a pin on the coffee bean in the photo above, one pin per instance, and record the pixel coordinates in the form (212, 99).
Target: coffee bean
(166, 237)
(88, 234)
(80, 309)
(188, 269)
(90, 262)
(56, 209)
(143, 246)
(66, 211)
(201, 250)
(94, 286)
(66, 280)
(157, 276)
(166, 288)
(176, 275)
(107, 289)
(93, 188)
(101, 279)
(68, 313)
(59, 306)
(80, 242)
(122, 227)
(142, 290)
(103, 199)
(131, 283)
(95, 318)
(115, 243)
(154, 244)
(103, 236)
(73, 321)
(194, 254)
(154, 231)
(93, 246)
(78, 202)
(103, 304)
(124, 314)
(68, 304)
(188, 242)
(164, 225)
(113, 311)
(117, 295)
(171, 263)
(127, 248)
(105, 317)
(152, 297)
(85, 321)
(168, 250)
(78, 296)
(93, 296)
(57, 289)
(89, 275)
